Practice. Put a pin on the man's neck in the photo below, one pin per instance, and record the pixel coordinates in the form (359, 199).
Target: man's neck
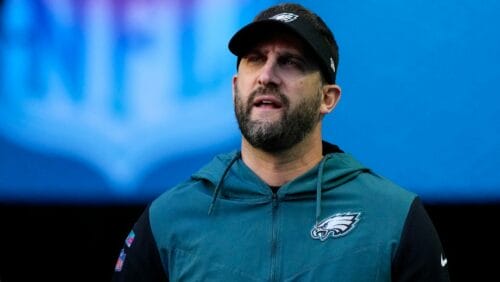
(276, 169)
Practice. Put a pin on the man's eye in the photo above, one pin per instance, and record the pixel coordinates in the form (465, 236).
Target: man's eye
(253, 57)
(291, 62)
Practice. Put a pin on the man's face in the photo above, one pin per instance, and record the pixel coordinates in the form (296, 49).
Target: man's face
(277, 94)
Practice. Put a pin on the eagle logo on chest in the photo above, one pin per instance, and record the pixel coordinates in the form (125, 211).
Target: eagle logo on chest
(335, 226)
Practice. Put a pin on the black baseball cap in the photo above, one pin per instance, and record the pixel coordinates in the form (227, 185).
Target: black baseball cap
(298, 20)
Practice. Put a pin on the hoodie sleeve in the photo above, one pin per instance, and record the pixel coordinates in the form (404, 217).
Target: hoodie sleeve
(420, 256)
(139, 260)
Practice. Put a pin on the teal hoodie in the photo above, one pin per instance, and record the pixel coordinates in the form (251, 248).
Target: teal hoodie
(337, 222)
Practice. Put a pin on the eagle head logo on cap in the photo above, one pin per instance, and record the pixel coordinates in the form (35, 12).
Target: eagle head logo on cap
(285, 17)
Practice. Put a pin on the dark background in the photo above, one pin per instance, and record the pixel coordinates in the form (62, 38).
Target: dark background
(81, 243)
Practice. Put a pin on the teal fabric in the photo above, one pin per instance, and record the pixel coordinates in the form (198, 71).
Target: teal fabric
(252, 234)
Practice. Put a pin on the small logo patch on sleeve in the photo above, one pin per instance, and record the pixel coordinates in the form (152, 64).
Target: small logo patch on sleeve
(120, 261)
(130, 239)
(444, 261)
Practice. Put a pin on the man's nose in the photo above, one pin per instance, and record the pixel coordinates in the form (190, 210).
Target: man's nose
(268, 73)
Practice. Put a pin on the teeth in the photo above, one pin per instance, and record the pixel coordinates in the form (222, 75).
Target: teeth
(266, 103)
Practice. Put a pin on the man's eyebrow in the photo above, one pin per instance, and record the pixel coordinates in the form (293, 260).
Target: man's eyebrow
(306, 59)
(252, 50)
(294, 55)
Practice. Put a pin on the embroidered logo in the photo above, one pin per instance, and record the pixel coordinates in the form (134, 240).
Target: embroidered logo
(332, 64)
(130, 239)
(120, 261)
(285, 17)
(336, 225)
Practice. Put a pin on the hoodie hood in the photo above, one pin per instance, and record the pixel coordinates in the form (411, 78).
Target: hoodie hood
(232, 179)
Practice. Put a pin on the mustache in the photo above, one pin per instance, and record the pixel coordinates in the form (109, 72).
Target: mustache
(268, 91)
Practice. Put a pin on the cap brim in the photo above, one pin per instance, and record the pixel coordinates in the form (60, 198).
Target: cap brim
(255, 32)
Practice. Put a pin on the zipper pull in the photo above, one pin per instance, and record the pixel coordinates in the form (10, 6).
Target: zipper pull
(275, 199)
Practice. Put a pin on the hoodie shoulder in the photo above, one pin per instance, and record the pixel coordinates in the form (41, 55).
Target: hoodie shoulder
(195, 189)
(365, 181)
(214, 169)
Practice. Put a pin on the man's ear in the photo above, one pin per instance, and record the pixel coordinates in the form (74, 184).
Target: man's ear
(330, 97)
(235, 79)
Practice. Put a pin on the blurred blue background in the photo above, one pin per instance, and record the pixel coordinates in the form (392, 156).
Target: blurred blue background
(116, 101)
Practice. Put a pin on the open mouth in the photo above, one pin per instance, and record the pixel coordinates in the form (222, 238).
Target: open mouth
(267, 102)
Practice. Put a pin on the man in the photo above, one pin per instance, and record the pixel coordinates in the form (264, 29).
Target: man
(288, 206)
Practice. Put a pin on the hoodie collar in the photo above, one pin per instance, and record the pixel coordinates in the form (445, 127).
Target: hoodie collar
(231, 178)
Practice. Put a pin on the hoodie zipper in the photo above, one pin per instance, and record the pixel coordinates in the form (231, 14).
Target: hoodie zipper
(274, 236)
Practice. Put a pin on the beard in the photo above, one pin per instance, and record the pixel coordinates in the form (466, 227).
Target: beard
(277, 136)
